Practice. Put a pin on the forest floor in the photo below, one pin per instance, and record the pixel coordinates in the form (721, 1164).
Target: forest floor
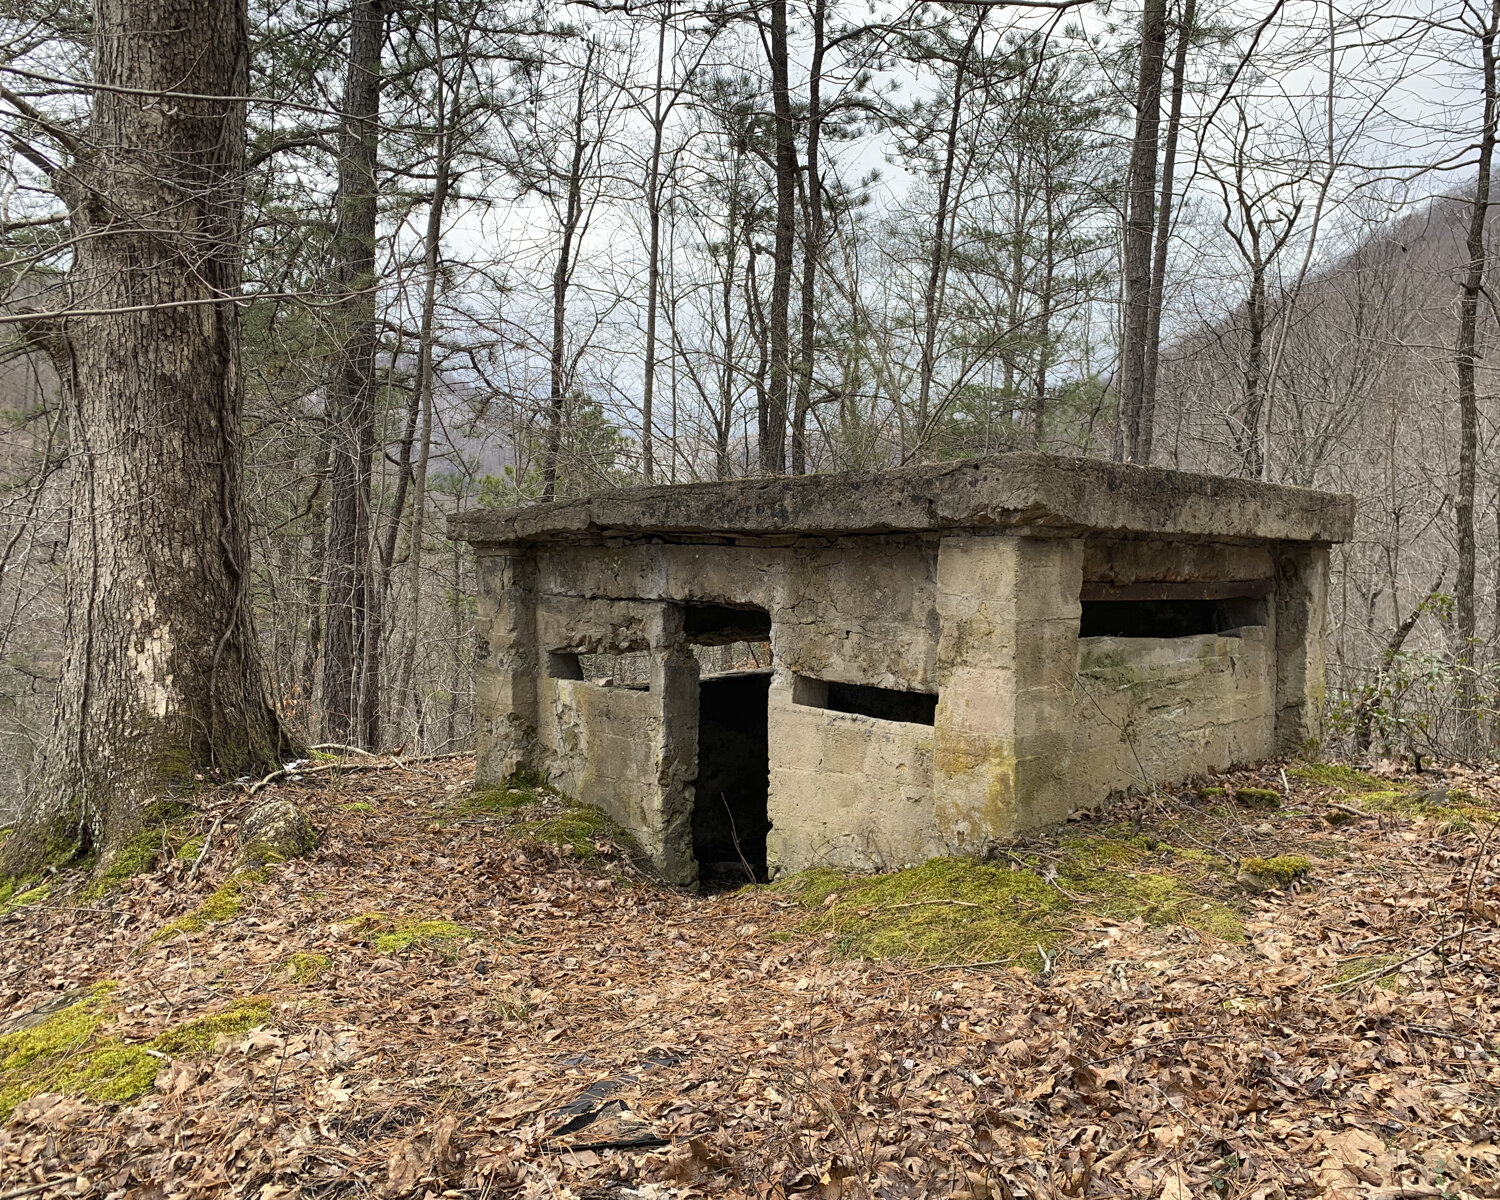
(1280, 983)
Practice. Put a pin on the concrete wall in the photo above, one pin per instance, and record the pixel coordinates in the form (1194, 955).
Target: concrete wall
(1031, 720)
(1148, 711)
(846, 790)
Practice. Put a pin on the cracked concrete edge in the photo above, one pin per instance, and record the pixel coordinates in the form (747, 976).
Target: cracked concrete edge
(1007, 491)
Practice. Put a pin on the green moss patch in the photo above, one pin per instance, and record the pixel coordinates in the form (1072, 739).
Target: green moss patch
(957, 910)
(64, 1052)
(1336, 775)
(162, 834)
(16, 893)
(1450, 806)
(198, 1036)
(394, 935)
(1257, 798)
(499, 800)
(359, 806)
(224, 904)
(1259, 874)
(306, 968)
(1384, 966)
(577, 829)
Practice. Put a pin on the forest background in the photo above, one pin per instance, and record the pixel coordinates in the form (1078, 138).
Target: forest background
(499, 253)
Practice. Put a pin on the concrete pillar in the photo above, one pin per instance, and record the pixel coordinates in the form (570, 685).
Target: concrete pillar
(505, 685)
(1007, 655)
(1301, 629)
(674, 680)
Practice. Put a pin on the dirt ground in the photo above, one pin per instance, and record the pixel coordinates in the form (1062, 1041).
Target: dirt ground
(1273, 984)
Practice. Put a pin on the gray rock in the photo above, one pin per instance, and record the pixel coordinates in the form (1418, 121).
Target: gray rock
(274, 832)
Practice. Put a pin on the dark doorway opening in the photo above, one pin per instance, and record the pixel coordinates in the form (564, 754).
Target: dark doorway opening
(729, 806)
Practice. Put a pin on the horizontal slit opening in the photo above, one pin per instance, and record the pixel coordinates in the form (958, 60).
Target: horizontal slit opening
(1169, 618)
(863, 700)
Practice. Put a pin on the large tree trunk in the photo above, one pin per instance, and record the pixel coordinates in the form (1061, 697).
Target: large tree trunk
(1467, 351)
(162, 682)
(351, 406)
(1140, 213)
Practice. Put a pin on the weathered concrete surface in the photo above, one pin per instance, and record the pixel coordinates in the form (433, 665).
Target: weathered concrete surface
(1015, 491)
(846, 790)
(962, 582)
(1148, 711)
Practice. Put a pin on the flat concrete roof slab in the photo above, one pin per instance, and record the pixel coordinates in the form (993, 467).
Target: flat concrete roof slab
(1003, 491)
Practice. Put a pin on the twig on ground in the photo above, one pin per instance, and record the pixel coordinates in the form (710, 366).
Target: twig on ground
(208, 841)
(1380, 972)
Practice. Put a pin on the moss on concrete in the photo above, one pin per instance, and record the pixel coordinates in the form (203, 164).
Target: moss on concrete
(395, 935)
(64, 1052)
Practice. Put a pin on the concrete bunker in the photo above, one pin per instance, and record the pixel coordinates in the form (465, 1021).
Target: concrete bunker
(764, 675)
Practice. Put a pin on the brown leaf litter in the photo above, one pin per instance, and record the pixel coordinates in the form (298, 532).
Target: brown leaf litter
(459, 1011)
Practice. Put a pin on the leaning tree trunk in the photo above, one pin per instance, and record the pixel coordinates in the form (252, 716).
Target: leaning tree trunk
(161, 685)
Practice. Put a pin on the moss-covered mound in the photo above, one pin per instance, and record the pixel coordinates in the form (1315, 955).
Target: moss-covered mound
(1263, 874)
(64, 1051)
(959, 910)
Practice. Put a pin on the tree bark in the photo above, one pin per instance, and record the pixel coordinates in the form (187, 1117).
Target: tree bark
(162, 684)
(351, 406)
(1152, 350)
(1140, 204)
(773, 413)
(562, 280)
(1467, 352)
(812, 243)
(653, 253)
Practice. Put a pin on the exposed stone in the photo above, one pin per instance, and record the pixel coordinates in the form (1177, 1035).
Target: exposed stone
(275, 831)
(960, 651)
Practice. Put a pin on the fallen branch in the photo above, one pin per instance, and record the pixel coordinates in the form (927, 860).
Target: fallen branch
(1381, 972)
(379, 764)
(203, 853)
